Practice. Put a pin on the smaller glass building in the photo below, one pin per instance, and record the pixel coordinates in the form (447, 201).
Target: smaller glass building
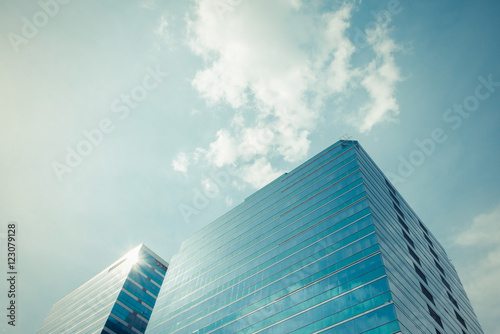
(119, 300)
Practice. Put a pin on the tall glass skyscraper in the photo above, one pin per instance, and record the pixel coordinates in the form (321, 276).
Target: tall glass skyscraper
(118, 300)
(330, 247)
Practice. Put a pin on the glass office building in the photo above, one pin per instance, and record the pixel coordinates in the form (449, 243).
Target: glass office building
(120, 299)
(330, 247)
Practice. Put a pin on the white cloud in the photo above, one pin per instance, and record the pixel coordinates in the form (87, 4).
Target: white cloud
(161, 30)
(255, 141)
(484, 231)
(282, 61)
(380, 79)
(181, 163)
(223, 150)
(481, 274)
(259, 173)
(339, 72)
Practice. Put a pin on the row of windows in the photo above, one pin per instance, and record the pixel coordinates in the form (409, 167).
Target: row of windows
(250, 221)
(374, 173)
(298, 246)
(361, 324)
(431, 298)
(145, 281)
(396, 204)
(285, 194)
(239, 226)
(139, 292)
(345, 218)
(118, 327)
(335, 261)
(149, 271)
(328, 305)
(134, 305)
(154, 263)
(97, 291)
(431, 246)
(272, 229)
(241, 266)
(79, 313)
(279, 265)
(425, 291)
(410, 241)
(129, 317)
(218, 225)
(391, 228)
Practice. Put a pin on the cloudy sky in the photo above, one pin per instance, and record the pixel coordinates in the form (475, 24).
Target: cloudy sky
(116, 116)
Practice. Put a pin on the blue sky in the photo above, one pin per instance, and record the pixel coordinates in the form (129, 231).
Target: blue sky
(115, 116)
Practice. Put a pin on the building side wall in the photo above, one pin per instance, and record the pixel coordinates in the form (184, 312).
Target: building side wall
(422, 278)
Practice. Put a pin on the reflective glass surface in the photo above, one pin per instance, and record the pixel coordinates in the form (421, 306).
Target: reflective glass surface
(329, 247)
(301, 250)
(119, 300)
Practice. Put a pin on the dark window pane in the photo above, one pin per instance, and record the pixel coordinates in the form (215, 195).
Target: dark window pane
(398, 211)
(420, 273)
(439, 267)
(428, 240)
(412, 253)
(407, 237)
(427, 293)
(460, 319)
(423, 227)
(445, 283)
(391, 188)
(403, 224)
(452, 300)
(435, 316)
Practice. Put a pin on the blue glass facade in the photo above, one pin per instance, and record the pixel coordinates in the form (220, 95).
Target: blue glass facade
(330, 247)
(427, 291)
(118, 300)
